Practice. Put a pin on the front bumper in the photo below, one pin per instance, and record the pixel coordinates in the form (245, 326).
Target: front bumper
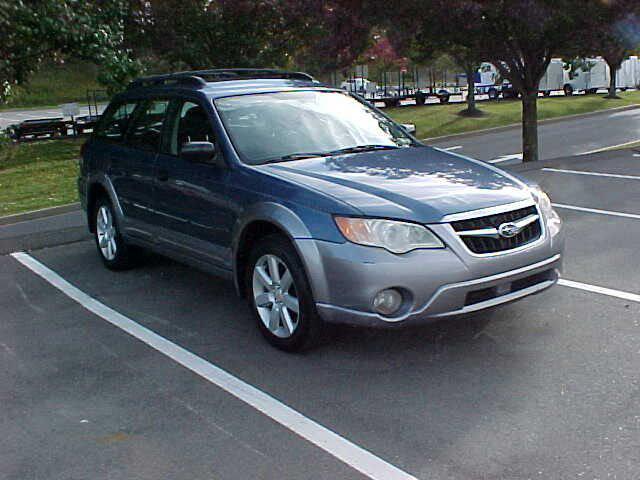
(435, 283)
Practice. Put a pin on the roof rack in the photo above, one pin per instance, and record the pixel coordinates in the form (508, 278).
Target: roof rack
(199, 78)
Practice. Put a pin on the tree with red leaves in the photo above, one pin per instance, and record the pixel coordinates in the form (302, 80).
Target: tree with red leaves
(337, 32)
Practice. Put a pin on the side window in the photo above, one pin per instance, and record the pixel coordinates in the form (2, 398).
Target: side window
(115, 122)
(191, 125)
(146, 131)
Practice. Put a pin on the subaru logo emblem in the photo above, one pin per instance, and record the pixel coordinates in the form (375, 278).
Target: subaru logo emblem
(508, 230)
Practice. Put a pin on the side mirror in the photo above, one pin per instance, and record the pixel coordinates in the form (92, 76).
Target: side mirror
(410, 128)
(198, 152)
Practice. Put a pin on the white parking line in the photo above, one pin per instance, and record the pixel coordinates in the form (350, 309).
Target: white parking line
(450, 149)
(356, 457)
(505, 158)
(595, 210)
(602, 290)
(594, 174)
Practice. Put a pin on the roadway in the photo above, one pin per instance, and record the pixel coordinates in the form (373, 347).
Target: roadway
(561, 138)
(10, 117)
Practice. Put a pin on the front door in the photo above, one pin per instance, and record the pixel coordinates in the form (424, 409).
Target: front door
(190, 197)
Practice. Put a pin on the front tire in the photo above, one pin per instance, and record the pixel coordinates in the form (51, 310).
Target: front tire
(280, 297)
(113, 250)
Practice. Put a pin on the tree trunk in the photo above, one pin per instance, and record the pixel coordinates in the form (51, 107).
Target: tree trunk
(530, 126)
(471, 92)
(613, 81)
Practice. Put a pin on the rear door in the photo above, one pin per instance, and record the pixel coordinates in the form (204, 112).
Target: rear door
(133, 167)
(191, 197)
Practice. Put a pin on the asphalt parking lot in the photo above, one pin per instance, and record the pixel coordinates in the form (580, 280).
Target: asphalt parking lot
(548, 387)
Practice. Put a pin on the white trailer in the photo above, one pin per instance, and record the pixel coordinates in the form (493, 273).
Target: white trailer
(628, 75)
(553, 79)
(590, 79)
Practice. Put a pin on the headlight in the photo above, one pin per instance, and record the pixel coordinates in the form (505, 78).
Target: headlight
(397, 237)
(554, 222)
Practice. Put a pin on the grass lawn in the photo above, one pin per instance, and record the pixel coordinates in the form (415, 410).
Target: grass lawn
(38, 175)
(436, 120)
(43, 174)
(55, 84)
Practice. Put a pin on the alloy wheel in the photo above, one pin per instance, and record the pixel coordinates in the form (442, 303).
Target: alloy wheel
(275, 296)
(106, 232)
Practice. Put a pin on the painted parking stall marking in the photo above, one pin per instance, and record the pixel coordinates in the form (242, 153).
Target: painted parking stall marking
(595, 210)
(633, 297)
(593, 174)
(508, 158)
(344, 450)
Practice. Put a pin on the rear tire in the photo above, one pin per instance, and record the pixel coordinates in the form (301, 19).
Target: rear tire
(493, 94)
(568, 90)
(113, 250)
(277, 286)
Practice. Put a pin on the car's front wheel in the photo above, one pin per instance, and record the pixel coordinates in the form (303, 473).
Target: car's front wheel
(114, 252)
(280, 297)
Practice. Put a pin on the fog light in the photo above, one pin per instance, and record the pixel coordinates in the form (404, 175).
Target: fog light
(387, 302)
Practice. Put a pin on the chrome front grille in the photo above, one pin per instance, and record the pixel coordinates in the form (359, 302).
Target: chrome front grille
(501, 231)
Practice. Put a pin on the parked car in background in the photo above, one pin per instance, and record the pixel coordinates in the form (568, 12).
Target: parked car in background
(316, 205)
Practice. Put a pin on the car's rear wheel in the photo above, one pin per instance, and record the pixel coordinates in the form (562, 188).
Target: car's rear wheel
(113, 250)
(280, 297)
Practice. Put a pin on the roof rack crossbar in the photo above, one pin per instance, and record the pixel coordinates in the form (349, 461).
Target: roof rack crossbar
(170, 79)
(199, 78)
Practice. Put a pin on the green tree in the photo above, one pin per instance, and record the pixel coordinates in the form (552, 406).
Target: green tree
(199, 34)
(32, 31)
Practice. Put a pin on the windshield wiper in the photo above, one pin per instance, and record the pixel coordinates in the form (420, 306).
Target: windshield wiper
(363, 148)
(294, 156)
(303, 155)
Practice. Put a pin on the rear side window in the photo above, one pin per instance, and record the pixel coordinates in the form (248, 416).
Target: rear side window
(114, 123)
(146, 131)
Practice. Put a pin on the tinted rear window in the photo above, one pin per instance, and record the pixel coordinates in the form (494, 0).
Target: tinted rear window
(147, 128)
(115, 122)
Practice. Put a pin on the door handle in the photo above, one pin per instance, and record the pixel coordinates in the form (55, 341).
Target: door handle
(163, 175)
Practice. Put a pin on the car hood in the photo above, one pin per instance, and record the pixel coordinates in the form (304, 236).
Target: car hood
(421, 184)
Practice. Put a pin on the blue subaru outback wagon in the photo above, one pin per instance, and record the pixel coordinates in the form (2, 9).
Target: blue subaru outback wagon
(317, 205)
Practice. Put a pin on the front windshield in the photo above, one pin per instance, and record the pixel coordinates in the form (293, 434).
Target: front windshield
(282, 126)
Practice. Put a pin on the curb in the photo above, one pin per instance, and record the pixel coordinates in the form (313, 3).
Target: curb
(41, 213)
(547, 121)
(50, 238)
